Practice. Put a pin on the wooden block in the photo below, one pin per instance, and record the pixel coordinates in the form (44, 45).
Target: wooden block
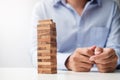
(53, 50)
(46, 57)
(47, 63)
(45, 36)
(44, 51)
(46, 54)
(47, 71)
(47, 46)
(48, 33)
(48, 66)
(47, 60)
(48, 21)
(46, 27)
(47, 40)
(43, 31)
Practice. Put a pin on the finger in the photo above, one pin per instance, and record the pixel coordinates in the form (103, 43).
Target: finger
(107, 65)
(106, 60)
(85, 59)
(85, 51)
(107, 70)
(100, 58)
(81, 67)
(85, 65)
(104, 55)
(92, 48)
(98, 50)
(92, 58)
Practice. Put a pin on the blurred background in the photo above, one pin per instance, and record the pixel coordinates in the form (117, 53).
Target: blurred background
(15, 32)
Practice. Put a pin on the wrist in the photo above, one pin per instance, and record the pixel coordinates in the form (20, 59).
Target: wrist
(67, 63)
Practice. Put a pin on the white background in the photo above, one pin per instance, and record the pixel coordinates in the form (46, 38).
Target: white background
(15, 32)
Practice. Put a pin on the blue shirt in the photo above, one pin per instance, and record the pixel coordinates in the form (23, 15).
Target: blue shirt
(98, 25)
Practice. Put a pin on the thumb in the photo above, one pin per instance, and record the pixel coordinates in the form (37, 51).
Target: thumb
(98, 50)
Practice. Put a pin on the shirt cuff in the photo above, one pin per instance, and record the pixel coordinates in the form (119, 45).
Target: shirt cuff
(61, 59)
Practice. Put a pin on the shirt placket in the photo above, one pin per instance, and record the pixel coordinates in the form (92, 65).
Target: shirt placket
(80, 27)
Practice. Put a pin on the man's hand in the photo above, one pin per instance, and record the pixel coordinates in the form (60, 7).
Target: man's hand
(79, 60)
(105, 59)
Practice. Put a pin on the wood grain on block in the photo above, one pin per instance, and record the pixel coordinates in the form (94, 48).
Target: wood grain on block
(52, 50)
(46, 63)
(47, 33)
(43, 47)
(46, 36)
(48, 21)
(43, 31)
(47, 54)
(43, 51)
(39, 43)
(47, 40)
(47, 60)
(47, 45)
(47, 71)
(46, 26)
(46, 57)
(48, 66)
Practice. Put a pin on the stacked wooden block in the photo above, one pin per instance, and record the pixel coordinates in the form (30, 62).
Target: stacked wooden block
(47, 47)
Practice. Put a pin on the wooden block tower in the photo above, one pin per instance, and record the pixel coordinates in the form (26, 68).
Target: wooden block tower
(47, 47)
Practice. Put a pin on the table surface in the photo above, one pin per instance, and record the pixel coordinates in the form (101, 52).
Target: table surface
(31, 74)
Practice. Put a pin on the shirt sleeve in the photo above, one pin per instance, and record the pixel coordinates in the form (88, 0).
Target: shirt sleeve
(114, 36)
(61, 59)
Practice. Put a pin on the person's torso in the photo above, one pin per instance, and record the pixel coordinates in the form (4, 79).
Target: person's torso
(74, 31)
